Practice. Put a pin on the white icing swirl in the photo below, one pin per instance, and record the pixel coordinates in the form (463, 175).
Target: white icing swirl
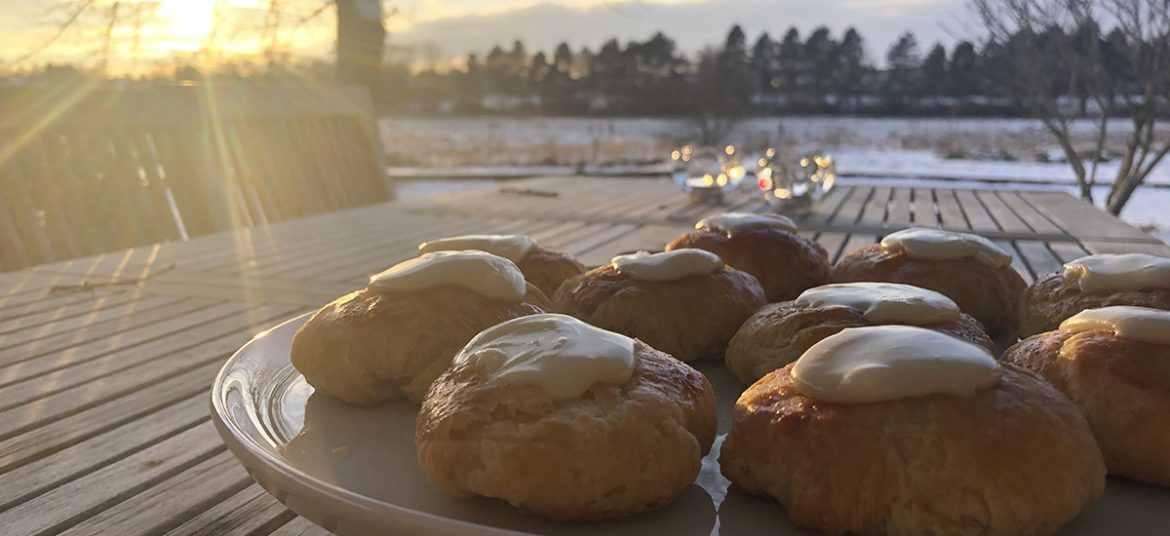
(1108, 273)
(736, 222)
(668, 265)
(885, 303)
(511, 247)
(1141, 324)
(480, 272)
(876, 363)
(939, 245)
(561, 355)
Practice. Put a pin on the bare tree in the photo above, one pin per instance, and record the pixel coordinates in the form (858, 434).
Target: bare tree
(716, 104)
(1145, 26)
(1052, 56)
(360, 29)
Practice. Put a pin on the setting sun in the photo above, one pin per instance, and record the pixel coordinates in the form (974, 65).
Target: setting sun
(185, 23)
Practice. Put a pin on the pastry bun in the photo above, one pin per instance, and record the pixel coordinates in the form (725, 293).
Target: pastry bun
(690, 318)
(615, 451)
(785, 263)
(1122, 387)
(542, 267)
(987, 293)
(370, 347)
(1014, 458)
(779, 333)
(1051, 299)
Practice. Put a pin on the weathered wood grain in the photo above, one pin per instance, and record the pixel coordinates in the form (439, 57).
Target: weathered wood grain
(103, 391)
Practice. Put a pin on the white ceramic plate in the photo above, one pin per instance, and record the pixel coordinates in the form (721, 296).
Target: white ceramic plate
(352, 470)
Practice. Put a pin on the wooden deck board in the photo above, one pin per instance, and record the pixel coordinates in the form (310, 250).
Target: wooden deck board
(1081, 219)
(177, 500)
(925, 208)
(876, 207)
(950, 211)
(81, 498)
(103, 388)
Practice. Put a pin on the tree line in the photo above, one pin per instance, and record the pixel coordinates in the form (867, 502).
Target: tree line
(815, 73)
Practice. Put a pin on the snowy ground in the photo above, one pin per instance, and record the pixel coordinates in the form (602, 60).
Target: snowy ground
(988, 152)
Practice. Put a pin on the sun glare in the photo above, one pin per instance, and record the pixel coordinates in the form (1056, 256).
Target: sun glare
(185, 23)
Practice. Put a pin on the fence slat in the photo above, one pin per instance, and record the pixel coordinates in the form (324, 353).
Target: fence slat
(99, 170)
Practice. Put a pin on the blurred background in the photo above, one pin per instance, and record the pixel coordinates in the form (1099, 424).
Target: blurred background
(1059, 94)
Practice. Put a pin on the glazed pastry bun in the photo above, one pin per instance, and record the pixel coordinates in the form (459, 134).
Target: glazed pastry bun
(1092, 282)
(905, 430)
(967, 268)
(393, 338)
(764, 245)
(1114, 363)
(566, 421)
(684, 302)
(544, 268)
(779, 333)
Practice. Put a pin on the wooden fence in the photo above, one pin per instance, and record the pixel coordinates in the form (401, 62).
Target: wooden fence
(85, 171)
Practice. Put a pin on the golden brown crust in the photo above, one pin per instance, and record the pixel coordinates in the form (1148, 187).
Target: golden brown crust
(1016, 458)
(548, 269)
(1121, 386)
(371, 347)
(616, 451)
(690, 318)
(779, 333)
(786, 264)
(991, 295)
(1049, 301)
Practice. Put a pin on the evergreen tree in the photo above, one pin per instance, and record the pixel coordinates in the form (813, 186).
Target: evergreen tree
(962, 75)
(538, 69)
(790, 65)
(850, 73)
(934, 71)
(470, 88)
(764, 63)
(563, 58)
(903, 54)
(820, 54)
(734, 69)
(902, 61)
(496, 69)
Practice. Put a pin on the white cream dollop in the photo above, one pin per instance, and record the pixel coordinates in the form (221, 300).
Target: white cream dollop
(1141, 324)
(876, 363)
(1108, 273)
(668, 265)
(939, 245)
(736, 222)
(478, 271)
(511, 247)
(885, 303)
(561, 355)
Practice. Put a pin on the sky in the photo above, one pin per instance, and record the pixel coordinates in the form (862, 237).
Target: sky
(439, 30)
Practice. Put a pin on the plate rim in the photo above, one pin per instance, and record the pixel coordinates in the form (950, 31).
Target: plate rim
(244, 447)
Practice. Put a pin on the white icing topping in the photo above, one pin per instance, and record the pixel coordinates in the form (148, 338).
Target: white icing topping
(876, 363)
(667, 266)
(1108, 273)
(511, 247)
(885, 303)
(735, 222)
(561, 355)
(939, 245)
(1140, 324)
(483, 273)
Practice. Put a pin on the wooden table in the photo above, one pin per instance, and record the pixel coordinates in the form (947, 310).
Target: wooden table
(105, 362)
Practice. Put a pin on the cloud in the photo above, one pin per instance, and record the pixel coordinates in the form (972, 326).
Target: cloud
(693, 25)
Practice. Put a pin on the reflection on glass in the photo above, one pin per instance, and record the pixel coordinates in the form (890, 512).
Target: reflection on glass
(795, 184)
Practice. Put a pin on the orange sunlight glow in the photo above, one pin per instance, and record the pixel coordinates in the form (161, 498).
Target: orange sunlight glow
(186, 24)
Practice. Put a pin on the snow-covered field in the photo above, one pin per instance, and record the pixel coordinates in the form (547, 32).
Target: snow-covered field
(1004, 152)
